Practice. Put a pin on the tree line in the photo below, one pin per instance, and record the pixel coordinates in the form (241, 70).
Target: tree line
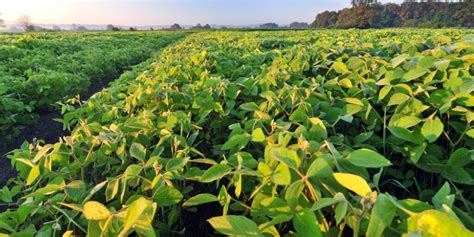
(2, 22)
(426, 13)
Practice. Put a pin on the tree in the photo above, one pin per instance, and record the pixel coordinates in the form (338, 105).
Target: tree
(269, 26)
(56, 28)
(363, 2)
(2, 22)
(411, 13)
(25, 23)
(176, 26)
(325, 19)
(197, 26)
(82, 28)
(111, 27)
(299, 25)
(391, 15)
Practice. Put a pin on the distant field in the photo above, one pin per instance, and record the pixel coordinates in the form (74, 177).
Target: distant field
(294, 133)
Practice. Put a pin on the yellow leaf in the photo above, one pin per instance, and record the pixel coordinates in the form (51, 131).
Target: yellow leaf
(354, 101)
(354, 183)
(72, 206)
(469, 58)
(262, 115)
(345, 83)
(34, 173)
(95, 211)
(134, 213)
(258, 135)
(435, 223)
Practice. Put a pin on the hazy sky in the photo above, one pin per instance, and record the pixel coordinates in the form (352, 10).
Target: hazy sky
(165, 12)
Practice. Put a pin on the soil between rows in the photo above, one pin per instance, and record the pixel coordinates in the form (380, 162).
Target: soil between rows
(45, 128)
(50, 131)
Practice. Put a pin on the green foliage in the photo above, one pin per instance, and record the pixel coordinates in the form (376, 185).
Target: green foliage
(310, 133)
(38, 70)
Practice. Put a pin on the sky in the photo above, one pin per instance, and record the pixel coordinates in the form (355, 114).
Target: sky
(167, 12)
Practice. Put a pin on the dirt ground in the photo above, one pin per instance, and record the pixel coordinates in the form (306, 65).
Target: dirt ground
(45, 129)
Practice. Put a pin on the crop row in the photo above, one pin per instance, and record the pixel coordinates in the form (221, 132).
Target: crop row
(38, 70)
(265, 134)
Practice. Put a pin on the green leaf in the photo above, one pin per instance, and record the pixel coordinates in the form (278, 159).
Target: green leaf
(323, 202)
(403, 121)
(258, 135)
(49, 189)
(368, 158)
(381, 216)
(399, 59)
(75, 189)
(460, 158)
(287, 156)
(176, 163)
(354, 183)
(299, 115)
(281, 175)
(318, 130)
(415, 152)
(414, 205)
(458, 175)
(443, 197)
(251, 106)
(355, 63)
(341, 211)
(200, 199)
(93, 228)
(235, 226)
(426, 62)
(6, 195)
(274, 207)
(293, 193)
(319, 168)
(414, 74)
(167, 196)
(397, 99)
(238, 141)
(403, 134)
(95, 211)
(470, 133)
(215, 172)
(432, 129)
(436, 223)
(306, 224)
(7, 227)
(138, 151)
(442, 65)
